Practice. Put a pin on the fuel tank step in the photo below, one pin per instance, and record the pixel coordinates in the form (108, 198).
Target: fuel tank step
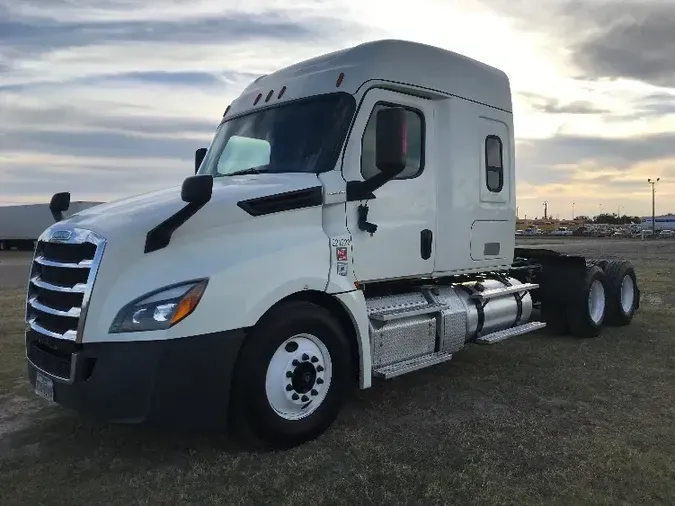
(500, 292)
(405, 312)
(519, 330)
(414, 364)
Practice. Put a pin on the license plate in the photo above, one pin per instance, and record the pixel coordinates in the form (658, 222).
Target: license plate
(44, 387)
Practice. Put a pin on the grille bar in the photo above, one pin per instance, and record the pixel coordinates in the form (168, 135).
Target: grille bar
(78, 288)
(70, 335)
(73, 312)
(83, 264)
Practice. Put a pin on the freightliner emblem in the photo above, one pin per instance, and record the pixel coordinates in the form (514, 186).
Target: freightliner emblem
(61, 235)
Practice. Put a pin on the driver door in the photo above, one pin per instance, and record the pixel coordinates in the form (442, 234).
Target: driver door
(404, 209)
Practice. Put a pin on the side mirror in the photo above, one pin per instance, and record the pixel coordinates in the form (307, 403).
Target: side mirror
(60, 202)
(199, 158)
(391, 141)
(197, 189)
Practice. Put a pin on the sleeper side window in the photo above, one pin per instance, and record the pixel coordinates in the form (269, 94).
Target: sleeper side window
(415, 143)
(494, 163)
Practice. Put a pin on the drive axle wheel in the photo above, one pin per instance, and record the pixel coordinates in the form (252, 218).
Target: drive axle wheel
(291, 377)
(586, 313)
(623, 296)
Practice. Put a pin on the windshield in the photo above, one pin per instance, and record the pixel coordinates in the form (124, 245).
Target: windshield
(300, 136)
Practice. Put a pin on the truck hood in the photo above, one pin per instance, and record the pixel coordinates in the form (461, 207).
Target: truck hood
(139, 214)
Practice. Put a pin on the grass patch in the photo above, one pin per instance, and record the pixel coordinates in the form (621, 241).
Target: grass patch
(531, 420)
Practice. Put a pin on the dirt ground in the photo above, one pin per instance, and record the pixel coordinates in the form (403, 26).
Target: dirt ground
(14, 267)
(535, 419)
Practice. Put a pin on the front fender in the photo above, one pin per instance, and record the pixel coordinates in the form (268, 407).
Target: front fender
(248, 273)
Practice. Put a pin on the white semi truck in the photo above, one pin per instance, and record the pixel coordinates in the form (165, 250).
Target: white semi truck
(352, 219)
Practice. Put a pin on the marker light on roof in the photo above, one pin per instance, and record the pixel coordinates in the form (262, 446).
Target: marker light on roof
(269, 95)
(281, 92)
(339, 80)
(257, 99)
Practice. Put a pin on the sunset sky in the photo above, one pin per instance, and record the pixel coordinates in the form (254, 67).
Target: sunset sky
(108, 98)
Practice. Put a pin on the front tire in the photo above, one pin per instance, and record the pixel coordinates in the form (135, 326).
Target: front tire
(291, 377)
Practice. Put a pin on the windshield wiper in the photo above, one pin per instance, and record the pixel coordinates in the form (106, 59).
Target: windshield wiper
(252, 170)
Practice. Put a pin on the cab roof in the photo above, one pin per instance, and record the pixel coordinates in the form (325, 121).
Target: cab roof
(397, 61)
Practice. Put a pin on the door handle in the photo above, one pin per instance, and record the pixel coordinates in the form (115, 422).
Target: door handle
(426, 240)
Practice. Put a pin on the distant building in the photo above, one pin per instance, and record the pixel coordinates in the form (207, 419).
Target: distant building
(665, 222)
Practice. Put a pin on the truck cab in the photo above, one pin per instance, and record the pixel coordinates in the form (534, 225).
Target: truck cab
(351, 219)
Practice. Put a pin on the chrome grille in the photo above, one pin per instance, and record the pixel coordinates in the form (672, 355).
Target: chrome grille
(62, 275)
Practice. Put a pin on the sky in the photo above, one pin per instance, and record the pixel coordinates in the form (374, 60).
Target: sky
(110, 98)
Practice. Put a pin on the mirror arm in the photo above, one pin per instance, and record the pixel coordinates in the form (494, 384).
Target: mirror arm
(363, 190)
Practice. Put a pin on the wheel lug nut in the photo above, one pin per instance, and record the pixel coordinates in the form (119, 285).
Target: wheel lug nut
(295, 397)
(314, 392)
(305, 398)
(289, 374)
(314, 360)
(305, 356)
(289, 388)
(296, 363)
(319, 368)
(319, 381)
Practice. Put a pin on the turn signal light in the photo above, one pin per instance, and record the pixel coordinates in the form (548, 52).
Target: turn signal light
(188, 303)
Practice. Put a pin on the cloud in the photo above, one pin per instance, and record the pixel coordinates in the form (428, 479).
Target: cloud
(36, 176)
(612, 39)
(597, 173)
(58, 40)
(46, 36)
(620, 153)
(552, 105)
(650, 106)
(636, 42)
(109, 97)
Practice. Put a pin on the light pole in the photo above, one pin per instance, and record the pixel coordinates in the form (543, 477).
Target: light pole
(545, 209)
(653, 183)
(573, 212)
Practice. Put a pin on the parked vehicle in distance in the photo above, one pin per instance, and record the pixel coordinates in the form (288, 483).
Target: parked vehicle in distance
(564, 231)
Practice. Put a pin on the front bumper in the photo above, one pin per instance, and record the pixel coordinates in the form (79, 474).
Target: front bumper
(176, 383)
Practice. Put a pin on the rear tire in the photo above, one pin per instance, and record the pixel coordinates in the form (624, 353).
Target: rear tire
(602, 263)
(623, 296)
(586, 313)
(291, 377)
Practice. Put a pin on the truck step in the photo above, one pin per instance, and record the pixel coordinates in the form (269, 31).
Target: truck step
(499, 292)
(405, 312)
(413, 364)
(500, 335)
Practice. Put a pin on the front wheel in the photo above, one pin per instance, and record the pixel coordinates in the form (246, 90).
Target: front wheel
(292, 376)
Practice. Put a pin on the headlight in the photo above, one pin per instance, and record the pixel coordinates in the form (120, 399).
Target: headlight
(159, 309)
